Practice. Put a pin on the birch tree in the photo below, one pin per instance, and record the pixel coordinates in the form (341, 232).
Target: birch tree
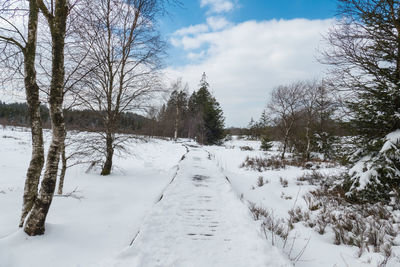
(126, 59)
(18, 47)
(75, 57)
(310, 104)
(56, 16)
(173, 116)
(284, 105)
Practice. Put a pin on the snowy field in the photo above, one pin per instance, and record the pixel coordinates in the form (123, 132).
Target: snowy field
(202, 218)
(82, 232)
(319, 250)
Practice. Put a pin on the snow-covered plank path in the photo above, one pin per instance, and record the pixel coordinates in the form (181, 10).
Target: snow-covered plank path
(199, 222)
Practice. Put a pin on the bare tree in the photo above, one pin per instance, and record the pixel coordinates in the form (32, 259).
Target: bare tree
(75, 55)
(284, 105)
(19, 52)
(173, 116)
(56, 16)
(125, 58)
(310, 105)
(74, 152)
(364, 53)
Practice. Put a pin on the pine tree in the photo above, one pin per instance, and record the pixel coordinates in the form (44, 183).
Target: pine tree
(206, 115)
(264, 119)
(366, 57)
(266, 144)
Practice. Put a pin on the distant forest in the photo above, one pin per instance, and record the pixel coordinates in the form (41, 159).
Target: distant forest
(17, 114)
(88, 120)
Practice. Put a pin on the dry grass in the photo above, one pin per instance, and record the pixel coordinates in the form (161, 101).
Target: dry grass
(271, 225)
(246, 148)
(284, 182)
(371, 228)
(275, 229)
(276, 163)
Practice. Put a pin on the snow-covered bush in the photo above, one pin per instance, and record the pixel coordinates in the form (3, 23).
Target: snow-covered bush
(375, 176)
(368, 227)
(261, 164)
(260, 181)
(284, 182)
(228, 137)
(271, 226)
(276, 163)
(312, 178)
(246, 148)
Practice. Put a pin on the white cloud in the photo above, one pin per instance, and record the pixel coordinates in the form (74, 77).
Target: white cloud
(194, 36)
(246, 61)
(192, 29)
(217, 23)
(218, 6)
(188, 42)
(196, 56)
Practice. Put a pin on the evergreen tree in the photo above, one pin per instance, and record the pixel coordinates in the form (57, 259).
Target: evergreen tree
(266, 144)
(264, 119)
(207, 119)
(366, 57)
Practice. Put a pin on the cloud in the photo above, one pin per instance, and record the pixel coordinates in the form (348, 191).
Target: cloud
(217, 23)
(196, 56)
(218, 6)
(194, 36)
(192, 29)
(244, 62)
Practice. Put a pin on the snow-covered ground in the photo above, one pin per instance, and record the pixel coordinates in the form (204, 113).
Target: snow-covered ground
(101, 224)
(199, 222)
(201, 219)
(278, 199)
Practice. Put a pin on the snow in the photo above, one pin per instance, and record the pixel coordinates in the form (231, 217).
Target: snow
(320, 249)
(391, 140)
(364, 170)
(82, 232)
(199, 222)
(202, 218)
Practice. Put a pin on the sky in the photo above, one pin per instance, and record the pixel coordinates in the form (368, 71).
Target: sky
(246, 48)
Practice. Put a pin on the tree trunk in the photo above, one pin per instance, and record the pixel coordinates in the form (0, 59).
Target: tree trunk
(176, 123)
(35, 224)
(286, 140)
(308, 141)
(63, 170)
(32, 97)
(284, 147)
(109, 155)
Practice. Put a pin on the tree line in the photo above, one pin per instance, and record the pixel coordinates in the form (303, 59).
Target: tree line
(17, 114)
